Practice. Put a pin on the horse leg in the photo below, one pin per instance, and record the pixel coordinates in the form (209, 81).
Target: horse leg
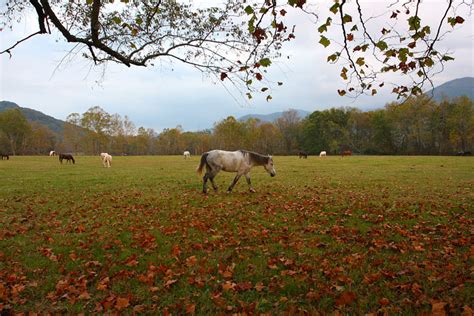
(247, 176)
(214, 186)
(237, 177)
(204, 183)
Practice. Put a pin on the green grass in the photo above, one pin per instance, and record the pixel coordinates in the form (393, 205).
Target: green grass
(355, 234)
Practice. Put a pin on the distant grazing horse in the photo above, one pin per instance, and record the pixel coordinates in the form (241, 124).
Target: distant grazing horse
(303, 154)
(106, 160)
(322, 154)
(5, 157)
(52, 153)
(240, 161)
(186, 154)
(68, 158)
(464, 153)
(346, 153)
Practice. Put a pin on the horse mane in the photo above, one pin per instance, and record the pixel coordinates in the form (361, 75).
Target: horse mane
(256, 158)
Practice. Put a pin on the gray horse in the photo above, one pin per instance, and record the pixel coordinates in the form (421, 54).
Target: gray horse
(240, 161)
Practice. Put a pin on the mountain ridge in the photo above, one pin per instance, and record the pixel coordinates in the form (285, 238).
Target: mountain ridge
(271, 117)
(52, 123)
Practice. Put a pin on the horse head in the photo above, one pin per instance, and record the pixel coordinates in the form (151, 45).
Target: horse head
(269, 167)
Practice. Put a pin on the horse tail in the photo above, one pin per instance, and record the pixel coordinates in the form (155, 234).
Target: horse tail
(202, 163)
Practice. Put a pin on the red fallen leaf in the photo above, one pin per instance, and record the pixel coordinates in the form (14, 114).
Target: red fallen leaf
(282, 12)
(80, 229)
(259, 286)
(102, 286)
(191, 261)
(384, 301)
(467, 311)
(176, 251)
(154, 289)
(121, 303)
(190, 308)
(258, 76)
(312, 295)
(346, 298)
(170, 282)
(228, 286)
(350, 37)
(244, 286)
(139, 308)
(223, 76)
(437, 308)
(84, 296)
(132, 263)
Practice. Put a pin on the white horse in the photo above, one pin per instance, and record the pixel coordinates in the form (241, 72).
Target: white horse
(106, 160)
(52, 153)
(322, 154)
(186, 154)
(240, 161)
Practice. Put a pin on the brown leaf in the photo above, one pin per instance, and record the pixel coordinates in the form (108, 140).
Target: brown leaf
(121, 303)
(176, 251)
(170, 282)
(437, 308)
(191, 261)
(84, 296)
(139, 309)
(190, 308)
(346, 298)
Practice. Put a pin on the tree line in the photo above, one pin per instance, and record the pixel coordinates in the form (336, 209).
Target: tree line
(417, 126)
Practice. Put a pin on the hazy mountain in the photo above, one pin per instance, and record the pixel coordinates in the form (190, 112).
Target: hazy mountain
(454, 88)
(272, 116)
(36, 116)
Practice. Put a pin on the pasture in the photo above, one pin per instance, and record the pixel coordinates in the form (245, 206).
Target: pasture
(353, 235)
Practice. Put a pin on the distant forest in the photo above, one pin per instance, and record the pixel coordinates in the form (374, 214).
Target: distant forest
(418, 126)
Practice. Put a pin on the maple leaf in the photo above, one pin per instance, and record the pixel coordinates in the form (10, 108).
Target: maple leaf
(346, 298)
(176, 251)
(437, 308)
(190, 308)
(121, 303)
(259, 286)
(191, 261)
(139, 309)
(170, 282)
(228, 286)
(84, 296)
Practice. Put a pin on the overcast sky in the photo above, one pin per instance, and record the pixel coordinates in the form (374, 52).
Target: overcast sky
(170, 95)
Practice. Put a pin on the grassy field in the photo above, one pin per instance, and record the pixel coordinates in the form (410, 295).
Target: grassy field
(353, 235)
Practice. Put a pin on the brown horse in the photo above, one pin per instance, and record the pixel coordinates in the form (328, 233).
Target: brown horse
(346, 153)
(4, 157)
(67, 157)
(303, 154)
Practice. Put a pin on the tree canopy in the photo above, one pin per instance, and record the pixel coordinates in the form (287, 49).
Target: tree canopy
(236, 40)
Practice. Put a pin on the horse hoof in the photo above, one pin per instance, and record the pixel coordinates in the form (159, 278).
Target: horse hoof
(229, 192)
(253, 191)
